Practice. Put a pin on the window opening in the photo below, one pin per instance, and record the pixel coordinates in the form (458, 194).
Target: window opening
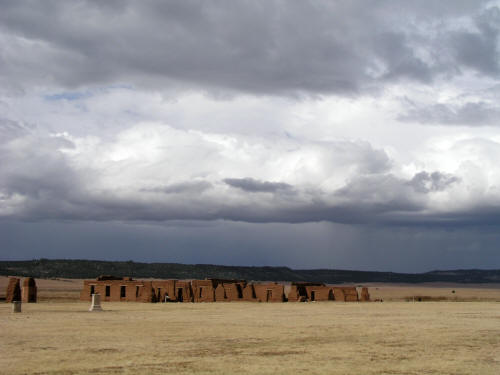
(108, 290)
(123, 291)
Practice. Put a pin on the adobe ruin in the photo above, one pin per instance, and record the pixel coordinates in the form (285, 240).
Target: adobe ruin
(29, 291)
(270, 292)
(304, 291)
(364, 295)
(13, 292)
(126, 289)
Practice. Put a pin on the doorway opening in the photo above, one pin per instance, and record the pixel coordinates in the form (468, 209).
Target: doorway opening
(240, 291)
(269, 295)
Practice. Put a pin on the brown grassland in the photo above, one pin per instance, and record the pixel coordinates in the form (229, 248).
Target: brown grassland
(59, 336)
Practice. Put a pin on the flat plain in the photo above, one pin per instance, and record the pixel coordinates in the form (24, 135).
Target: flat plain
(60, 336)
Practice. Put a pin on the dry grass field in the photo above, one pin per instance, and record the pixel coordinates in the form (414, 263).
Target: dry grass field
(435, 292)
(59, 336)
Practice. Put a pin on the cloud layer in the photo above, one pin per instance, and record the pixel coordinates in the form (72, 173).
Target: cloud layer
(349, 117)
(268, 47)
(154, 172)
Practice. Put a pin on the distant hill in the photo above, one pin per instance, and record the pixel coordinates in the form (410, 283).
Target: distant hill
(87, 269)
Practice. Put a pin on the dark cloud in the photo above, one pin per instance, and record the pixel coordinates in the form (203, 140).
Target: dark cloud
(401, 62)
(381, 192)
(181, 187)
(267, 47)
(423, 182)
(479, 49)
(309, 245)
(256, 186)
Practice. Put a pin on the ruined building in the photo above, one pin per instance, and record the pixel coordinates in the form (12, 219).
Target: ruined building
(14, 292)
(117, 289)
(28, 293)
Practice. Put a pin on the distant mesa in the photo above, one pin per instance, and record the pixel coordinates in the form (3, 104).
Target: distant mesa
(87, 269)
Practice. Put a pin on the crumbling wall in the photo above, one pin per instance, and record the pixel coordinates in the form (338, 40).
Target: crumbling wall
(85, 294)
(114, 289)
(146, 292)
(165, 290)
(271, 292)
(309, 291)
(293, 294)
(350, 294)
(203, 291)
(338, 294)
(249, 293)
(319, 293)
(234, 291)
(220, 293)
(364, 295)
(29, 291)
(13, 292)
(183, 291)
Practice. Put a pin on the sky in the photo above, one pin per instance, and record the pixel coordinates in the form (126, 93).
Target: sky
(311, 134)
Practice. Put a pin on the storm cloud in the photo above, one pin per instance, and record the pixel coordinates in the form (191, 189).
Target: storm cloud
(49, 177)
(268, 47)
(251, 185)
(358, 130)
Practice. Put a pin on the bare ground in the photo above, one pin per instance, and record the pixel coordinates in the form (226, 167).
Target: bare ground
(60, 336)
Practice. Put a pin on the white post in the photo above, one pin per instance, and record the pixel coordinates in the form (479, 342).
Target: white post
(16, 306)
(96, 303)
